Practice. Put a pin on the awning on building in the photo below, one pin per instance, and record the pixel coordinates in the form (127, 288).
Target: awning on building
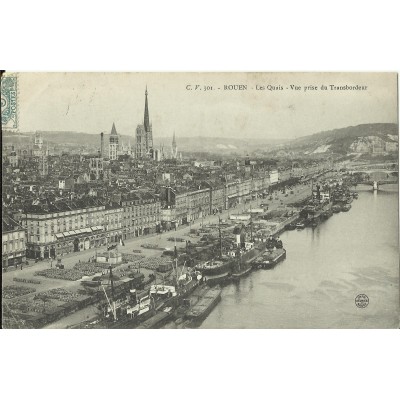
(59, 235)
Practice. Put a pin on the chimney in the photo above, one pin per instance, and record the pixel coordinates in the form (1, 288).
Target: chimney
(101, 144)
(168, 195)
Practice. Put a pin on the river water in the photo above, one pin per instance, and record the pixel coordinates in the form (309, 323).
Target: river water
(351, 253)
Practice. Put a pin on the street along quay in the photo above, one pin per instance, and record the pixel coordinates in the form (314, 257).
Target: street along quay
(150, 284)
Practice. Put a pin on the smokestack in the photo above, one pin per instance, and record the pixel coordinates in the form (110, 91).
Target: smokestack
(102, 144)
(168, 195)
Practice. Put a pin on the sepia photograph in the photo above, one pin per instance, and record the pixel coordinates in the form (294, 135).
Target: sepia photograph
(209, 200)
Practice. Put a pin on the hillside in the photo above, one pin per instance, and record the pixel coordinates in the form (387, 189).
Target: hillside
(217, 144)
(185, 144)
(362, 139)
(59, 138)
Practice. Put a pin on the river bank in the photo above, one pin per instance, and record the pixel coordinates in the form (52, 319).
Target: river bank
(326, 268)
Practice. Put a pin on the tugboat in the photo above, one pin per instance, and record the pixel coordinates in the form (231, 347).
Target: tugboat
(241, 269)
(216, 271)
(235, 264)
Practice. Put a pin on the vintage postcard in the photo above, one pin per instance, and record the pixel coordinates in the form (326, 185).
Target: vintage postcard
(200, 200)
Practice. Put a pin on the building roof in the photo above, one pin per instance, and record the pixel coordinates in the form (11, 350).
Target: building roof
(143, 196)
(9, 224)
(49, 205)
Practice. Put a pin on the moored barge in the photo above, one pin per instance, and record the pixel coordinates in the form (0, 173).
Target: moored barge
(205, 305)
(157, 320)
(269, 259)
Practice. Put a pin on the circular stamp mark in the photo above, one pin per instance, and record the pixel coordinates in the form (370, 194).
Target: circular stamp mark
(362, 300)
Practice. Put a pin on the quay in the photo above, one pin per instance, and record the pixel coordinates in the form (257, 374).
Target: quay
(59, 303)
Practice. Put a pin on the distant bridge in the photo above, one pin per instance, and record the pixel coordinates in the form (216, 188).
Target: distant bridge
(369, 167)
(379, 177)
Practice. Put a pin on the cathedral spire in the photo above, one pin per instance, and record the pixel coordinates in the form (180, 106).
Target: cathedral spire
(174, 147)
(173, 140)
(146, 114)
(113, 130)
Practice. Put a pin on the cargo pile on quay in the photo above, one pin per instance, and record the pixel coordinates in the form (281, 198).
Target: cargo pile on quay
(193, 287)
(182, 285)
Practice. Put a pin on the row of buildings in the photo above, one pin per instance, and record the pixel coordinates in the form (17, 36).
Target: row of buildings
(57, 218)
(55, 227)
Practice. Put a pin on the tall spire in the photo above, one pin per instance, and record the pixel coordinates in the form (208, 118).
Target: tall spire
(113, 130)
(174, 148)
(146, 114)
(173, 140)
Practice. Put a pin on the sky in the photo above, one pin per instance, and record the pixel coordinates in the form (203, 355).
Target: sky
(91, 102)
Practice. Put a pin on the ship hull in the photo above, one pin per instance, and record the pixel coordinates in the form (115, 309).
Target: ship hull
(269, 261)
(156, 321)
(204, 306)
(212, 280)
(225, 267)
(240, 274)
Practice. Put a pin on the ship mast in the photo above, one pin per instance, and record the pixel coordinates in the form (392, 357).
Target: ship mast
(239, 258)
(111, 301)
(220, 236)
(312, 188)
(112, 284)
(251, 224)
(112, 294)
(176, 262)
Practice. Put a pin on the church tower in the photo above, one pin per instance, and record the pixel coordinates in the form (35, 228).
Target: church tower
(147, 125)
(174, 148)
(144, 134)
(38, 140)
(114, 144)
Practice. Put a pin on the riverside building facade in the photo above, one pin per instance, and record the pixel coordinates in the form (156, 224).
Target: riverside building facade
(141, 214)
(66, 228)
(13, 243)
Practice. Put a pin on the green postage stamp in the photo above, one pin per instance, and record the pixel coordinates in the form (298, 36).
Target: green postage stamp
(9, 102)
